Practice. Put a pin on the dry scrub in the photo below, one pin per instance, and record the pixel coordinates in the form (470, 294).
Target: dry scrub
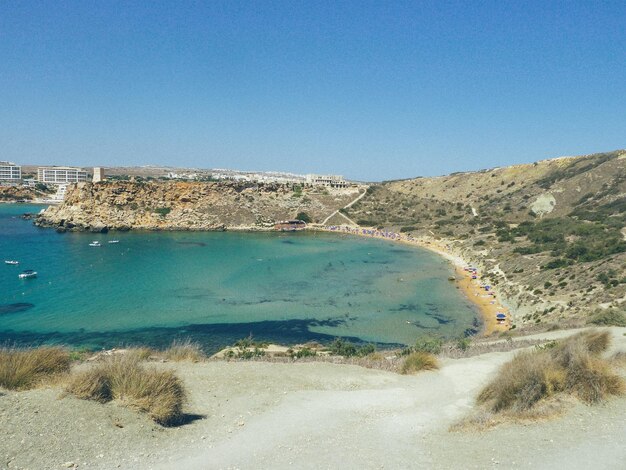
(159, 393)
(419, 361)
(573, 367)
(22, 369)
(185, 350)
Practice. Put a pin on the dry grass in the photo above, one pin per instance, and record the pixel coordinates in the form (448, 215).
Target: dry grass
(483, 419)
(418, 361)
(574, 367)
(619, 359)
(184, 351)
(22, 369)
(142, 353)
(160, 394)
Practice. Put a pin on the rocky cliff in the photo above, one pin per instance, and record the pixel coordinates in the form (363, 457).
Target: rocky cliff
(20, 194)
(127, 205)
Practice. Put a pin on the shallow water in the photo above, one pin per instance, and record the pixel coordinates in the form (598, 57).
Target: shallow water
(218, 287)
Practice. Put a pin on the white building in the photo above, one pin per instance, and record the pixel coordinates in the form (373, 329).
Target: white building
(10, 172)
(98, 174)
(60, 175)
(332, 181)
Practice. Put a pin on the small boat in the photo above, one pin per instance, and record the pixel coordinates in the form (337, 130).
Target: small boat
(95, 243)
(11, 261)
(114, 241)
(29, 273)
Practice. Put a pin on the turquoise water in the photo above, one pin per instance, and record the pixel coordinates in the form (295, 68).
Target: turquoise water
(218, 287)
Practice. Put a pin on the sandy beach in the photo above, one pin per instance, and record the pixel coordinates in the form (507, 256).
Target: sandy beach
(469, 281)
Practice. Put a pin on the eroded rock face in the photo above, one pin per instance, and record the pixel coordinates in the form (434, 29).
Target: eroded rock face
(125, 205)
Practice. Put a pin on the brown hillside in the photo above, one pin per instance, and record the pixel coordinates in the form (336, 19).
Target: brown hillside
(552, 233)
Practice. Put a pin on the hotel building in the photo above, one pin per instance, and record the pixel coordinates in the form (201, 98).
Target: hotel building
(331, 181)
(60, 175)
(10, 172)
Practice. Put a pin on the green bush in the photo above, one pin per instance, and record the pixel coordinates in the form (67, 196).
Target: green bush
(429, 344)
(341, 347)
(608, 317)
(463, 343)
(304, 352)
(304, 217)
(162, 211)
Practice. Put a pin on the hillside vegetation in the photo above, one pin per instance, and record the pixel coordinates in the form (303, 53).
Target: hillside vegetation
(551, 233)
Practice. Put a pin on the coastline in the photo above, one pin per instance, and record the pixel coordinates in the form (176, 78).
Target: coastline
(486, 302)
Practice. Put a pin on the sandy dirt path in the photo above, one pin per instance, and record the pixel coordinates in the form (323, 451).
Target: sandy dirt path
(258, 415)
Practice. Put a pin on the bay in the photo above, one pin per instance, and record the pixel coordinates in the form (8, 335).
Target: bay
(217, 287)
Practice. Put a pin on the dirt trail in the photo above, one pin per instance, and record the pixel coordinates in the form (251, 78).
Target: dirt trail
(258, 415)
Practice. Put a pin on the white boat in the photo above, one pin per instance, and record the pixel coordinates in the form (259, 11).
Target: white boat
(114, 241)
(95, 243)
(29, 273)
(11, 261)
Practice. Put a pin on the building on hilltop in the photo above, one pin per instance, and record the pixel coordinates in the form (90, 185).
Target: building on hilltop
(98, 174)
(10, 172)
(331, 181)
(60, 174)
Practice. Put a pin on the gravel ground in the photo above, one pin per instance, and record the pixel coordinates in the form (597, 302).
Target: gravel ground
(311, 415)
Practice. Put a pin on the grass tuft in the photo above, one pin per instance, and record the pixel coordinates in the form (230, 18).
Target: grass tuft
(22, 369)
(160, 394)
(418, 361)
(142, 353)
(186, 350)
(574, 366)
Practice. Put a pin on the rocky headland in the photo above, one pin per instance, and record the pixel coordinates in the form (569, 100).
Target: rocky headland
(126, 205)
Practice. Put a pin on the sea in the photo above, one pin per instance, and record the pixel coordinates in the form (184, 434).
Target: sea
(151, 288)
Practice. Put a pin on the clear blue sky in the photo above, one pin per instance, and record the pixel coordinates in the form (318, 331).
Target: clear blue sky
(371, 90)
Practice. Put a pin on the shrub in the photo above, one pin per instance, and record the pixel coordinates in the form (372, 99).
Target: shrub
(521, 383)
(428, 344)
(573, 366)
(184, 350)
(160, 394)
(304, 217)
(463, 343)
(418, 361)
(93, 384)
(304, 352)
(162, 211)
(608, 317)
(22, 369)
(246, 348)
(142, 353)
(341, 347)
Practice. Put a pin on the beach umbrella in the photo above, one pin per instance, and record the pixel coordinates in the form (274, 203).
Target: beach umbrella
(500, 316)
